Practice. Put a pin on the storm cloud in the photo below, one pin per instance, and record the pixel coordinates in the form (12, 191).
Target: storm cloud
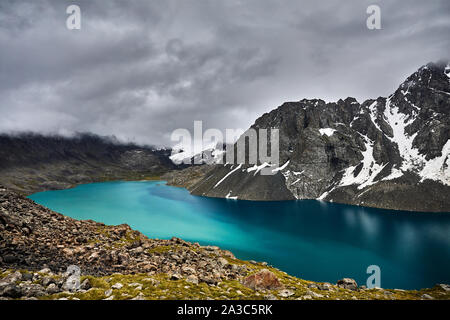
(140, 69)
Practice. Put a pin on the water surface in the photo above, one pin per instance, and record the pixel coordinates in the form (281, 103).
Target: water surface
(313, 240)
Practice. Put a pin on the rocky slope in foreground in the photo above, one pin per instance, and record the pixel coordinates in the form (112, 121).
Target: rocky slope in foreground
(31, 163)
(391, 153)
(37, 246)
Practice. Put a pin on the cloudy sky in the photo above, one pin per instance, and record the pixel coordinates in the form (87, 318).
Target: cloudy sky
(140, 69)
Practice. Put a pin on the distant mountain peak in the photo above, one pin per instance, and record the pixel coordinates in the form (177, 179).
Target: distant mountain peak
(390, 152)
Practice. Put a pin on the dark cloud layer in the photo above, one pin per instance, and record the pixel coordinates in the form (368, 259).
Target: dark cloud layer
(140, 69)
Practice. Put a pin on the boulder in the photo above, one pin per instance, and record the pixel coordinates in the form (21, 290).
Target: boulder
(347, 283)
(263, 280)
(11, 278)
(117, 286)
(11, 291)
(32, 290)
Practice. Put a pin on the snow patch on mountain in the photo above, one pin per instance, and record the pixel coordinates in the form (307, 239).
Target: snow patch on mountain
(366, 176)
(447, 71)
(398, 121)
(327, 131)
(284, 166)
(228, 174)
(438, 169)
(257, 168)
(228, 196)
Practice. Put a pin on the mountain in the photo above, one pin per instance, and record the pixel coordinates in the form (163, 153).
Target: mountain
(388, 153)
(33, 162)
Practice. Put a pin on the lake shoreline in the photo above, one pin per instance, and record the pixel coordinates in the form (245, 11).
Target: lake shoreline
(332, 226)
(160, 279)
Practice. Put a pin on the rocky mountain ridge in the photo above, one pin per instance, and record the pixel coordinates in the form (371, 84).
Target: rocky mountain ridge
(31, 162)
(391, 153)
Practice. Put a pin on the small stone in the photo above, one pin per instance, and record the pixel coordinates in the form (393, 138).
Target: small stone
(314, 294)
(188, 270)
(27, 277)
(426, 297)
(286, 293)
(117, 286)
(324, 286)
(108, 292)
(140, 296)
(192, 279)
(45, 271)
(175, 276)
(134, 284)
(52, 289)
(313, 286)
(85, 285)
(47, 280)
(222, 262)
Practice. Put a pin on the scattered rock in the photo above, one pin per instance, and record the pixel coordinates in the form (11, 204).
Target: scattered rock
(85, 285)
(47, 280)
(314, 294)
(52, 289)
(117, 286)
(140, 296)
(11, 278)
(11, 291)
(286, 293)
(192, 279)
(108, 292)
(426, 297)
(324, 286)
(175, 276)
(222, 262)
(444, 287)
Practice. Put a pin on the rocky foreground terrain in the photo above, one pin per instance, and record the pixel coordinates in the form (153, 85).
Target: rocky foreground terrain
(391, 153)
(38, 245)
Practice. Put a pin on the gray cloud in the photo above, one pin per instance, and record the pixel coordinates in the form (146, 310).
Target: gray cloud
(140, 69)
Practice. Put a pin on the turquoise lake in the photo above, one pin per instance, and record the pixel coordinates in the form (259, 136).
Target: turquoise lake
(310, 239)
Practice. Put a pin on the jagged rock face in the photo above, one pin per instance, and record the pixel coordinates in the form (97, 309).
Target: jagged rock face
(389, 153)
